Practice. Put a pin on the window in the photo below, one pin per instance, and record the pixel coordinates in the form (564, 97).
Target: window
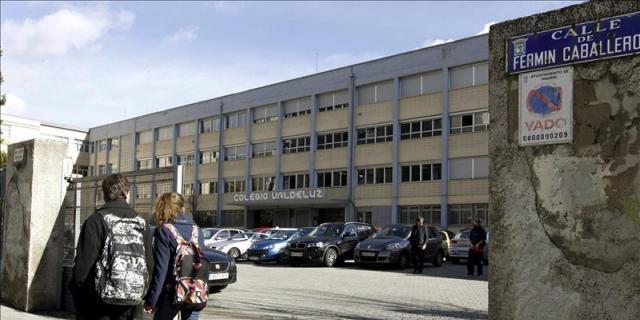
(103, 145)
(101, 169)
(234, 185)
(235, 120)
(82, 146)
(113, 168)
(364, 215)
(205, 218)
(420, 129)
(209, 156)
(99, 195)
(469, 168)
(187, 189)
(232, 218)
(143, 164)
(263, 183)
(114, 144)
(186, 129)
(470, 122)
(295, 181)
(464, 214)
(209, 125)
(375, 175)
(235, 153)
(297, 107)
(333, 140)
(265, 114)
(375, 134)
(143, 191)
(330, 179)
(264, 149)
(469, 75)
(208, 187)
(144, 137)
(81, 170)
(420, 84)
(430, 213)
(420, 172)
(375, 93)
(165, 133)
(365, 231)
(293, 145)
(163, 187)
(186, 159)
(163, 161)
(333, 101)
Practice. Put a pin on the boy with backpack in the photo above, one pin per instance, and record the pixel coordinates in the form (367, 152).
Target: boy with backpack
(114, 258)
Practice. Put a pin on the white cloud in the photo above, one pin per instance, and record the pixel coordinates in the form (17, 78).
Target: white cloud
(434, 42)
(485, 28)
(61, 31)
(186, 34)
(14, 104)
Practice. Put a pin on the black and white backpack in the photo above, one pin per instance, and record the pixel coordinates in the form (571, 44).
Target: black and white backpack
(121, 271)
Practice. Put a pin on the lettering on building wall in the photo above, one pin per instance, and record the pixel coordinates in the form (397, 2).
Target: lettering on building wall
(546, 107)
(607, 38)
(279, 195)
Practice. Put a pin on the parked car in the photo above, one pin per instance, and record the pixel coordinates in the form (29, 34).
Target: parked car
(222, 271)
(390, 246)
(446, 241)
(273, 248)
(237, 246)
(215, 235)
(460, 245)
(329, 244)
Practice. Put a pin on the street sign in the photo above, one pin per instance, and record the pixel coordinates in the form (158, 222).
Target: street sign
(589, 41)
(545, 111)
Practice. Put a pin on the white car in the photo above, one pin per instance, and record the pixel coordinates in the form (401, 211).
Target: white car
(238, 245)
(215, 235)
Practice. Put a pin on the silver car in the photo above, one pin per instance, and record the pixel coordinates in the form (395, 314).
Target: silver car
(459, 247)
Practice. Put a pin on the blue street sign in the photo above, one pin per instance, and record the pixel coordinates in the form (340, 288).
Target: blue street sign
(594, 40)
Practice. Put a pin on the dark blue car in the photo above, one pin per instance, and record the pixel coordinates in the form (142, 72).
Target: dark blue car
(222, 270)
(274, 248)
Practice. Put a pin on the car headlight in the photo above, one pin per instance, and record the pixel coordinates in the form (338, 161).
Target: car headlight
(316, 244)
(269, 247)
(393, 246)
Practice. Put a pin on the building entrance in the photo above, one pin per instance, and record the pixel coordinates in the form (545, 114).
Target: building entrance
(263, 218)
(330, 215)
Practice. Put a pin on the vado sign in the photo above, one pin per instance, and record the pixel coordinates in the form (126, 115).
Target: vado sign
(279, 195)
(546, 107)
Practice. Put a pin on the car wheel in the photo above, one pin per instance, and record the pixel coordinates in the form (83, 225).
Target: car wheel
(403, 261)
(330, 257)
(216, 289)
(437, 260)
(455, 260)
(234, 253)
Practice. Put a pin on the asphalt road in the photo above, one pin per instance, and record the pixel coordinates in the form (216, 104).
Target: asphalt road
(283, 292)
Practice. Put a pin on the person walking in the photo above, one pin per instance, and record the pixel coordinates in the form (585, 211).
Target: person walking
(106, 283)
(418, 241)
(174, 226)
(477, 237)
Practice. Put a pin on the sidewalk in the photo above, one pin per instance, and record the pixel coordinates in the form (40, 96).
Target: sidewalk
(13, 314)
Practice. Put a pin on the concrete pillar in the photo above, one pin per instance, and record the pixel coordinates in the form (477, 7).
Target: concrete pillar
(33, 254)
(352, 174)
(314, 143)
(395, 187)
(444, 182)
(196, 168)
(279, 147)
(220, 165)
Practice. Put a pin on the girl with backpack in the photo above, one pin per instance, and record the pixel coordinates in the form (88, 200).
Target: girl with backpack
(179, 281)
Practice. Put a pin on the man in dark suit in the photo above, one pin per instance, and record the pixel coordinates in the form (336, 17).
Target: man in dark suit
(418, 242)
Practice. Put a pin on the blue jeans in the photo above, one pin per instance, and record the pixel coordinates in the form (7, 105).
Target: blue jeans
(166, 311)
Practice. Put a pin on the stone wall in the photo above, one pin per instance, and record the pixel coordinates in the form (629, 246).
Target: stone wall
(32, 236)
(565, 218)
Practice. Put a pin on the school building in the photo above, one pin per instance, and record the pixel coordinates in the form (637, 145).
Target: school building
(382, 141)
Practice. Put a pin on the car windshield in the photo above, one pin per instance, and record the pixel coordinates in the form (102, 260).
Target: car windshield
(329, 230)
(208, 233)
(241, 236)
(281, 235)
(393, 232)
(463, 235)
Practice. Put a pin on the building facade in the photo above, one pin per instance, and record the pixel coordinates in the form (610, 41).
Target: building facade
(382, 141)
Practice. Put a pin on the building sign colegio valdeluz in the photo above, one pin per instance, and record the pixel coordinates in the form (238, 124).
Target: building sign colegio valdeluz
(279, 195)
(606, 38)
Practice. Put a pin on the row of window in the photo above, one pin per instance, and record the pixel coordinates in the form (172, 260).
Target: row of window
(458, 214)
(375, 175)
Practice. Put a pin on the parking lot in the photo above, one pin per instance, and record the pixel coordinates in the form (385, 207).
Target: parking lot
(349, 292)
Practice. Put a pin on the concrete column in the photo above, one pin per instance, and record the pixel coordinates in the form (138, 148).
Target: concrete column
(279, 144)
(134, 165)
(95, 157)
(153, 163)
(314, 142)
(444, 194)
(396, 151)
(352, 174)
(196, 168)
(248, 181)
(174, 156)
(120, 153)
(220, 165)
(34, 225)
(107, 170)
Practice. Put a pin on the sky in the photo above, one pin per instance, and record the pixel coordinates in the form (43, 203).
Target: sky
(91, 63)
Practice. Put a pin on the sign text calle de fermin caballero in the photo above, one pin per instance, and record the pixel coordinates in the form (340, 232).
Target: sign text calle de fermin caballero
(606, 38)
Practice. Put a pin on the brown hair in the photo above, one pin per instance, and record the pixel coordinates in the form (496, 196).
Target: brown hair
(167, 207)
(114, 187)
